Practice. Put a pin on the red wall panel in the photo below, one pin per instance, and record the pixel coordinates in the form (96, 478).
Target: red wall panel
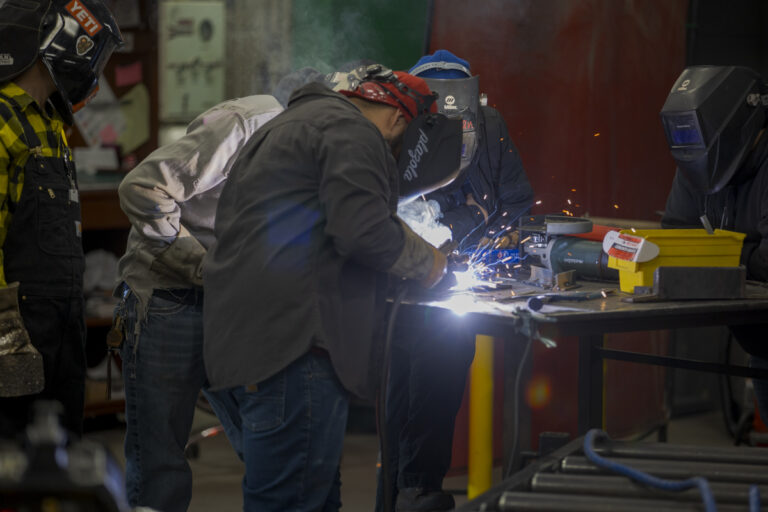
(580, 84)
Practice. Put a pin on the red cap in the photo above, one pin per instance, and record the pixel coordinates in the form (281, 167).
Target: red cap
(409, 93)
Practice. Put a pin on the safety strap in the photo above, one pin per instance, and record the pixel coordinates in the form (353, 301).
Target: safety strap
(29, 134)
(440, 65)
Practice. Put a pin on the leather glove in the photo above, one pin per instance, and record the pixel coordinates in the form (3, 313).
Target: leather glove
(419, 260)
(21, 365)
(183, 260)
(506, 241)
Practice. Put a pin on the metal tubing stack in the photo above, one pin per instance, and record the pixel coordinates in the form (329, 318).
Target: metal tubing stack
(566, 480)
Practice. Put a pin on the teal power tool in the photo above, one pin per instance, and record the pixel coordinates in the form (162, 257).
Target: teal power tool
(545, 242)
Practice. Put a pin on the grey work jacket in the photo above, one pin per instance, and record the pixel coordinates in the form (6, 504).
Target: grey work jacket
(305, 232)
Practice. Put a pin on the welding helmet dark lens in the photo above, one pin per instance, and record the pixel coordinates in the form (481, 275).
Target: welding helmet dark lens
(683, 130)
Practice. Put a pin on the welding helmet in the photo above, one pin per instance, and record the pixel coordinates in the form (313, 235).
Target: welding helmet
(74, 39)
(430, 154)
(459, 93)
(711, 119)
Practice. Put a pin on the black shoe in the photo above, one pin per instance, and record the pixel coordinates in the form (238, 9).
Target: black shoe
(418, 499)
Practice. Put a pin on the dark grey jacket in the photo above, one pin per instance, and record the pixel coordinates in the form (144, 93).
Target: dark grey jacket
(741, 206)
(305, 231)
(496, 180)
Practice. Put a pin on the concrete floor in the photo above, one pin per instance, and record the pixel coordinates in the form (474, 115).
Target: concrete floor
(217, 471)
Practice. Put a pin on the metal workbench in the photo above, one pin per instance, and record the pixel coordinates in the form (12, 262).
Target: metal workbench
(503, 313)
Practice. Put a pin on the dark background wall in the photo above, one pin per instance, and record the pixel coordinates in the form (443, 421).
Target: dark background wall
(580, 85)
(332, 32)
(728, 33)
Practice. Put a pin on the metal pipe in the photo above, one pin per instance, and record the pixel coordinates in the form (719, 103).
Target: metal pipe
(664, 451)
(480, 463)
(715, 471)
(527, 502)
(609, 485)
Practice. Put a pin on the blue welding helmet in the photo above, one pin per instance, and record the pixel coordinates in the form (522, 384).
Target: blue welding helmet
(711, 119)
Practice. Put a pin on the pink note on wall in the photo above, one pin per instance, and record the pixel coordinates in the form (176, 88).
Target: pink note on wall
(128, 75)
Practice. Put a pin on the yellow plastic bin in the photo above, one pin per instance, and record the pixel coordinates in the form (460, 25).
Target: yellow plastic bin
(679, 248)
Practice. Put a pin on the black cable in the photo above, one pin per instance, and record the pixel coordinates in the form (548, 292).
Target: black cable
(512, 463)
(381, 399)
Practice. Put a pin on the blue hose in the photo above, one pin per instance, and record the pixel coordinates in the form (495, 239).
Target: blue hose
(754, 498)
(650, 480)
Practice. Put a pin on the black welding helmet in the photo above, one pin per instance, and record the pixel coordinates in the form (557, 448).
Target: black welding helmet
(79, 36)
(711, 119)
(74, 39)
(430, 153)
(459, 95)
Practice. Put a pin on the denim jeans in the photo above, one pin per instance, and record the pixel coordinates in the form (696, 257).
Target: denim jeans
(163, 374)
(292, 437)
(428, 372)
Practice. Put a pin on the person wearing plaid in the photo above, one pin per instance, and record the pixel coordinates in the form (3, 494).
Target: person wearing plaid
(51, 55)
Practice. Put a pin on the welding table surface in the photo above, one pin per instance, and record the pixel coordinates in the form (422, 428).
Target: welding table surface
(493, 313)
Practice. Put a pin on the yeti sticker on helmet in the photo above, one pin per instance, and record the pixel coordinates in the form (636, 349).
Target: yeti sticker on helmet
(84, 17)
(84, 45)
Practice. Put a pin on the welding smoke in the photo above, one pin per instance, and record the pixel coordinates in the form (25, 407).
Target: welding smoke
(422, 217)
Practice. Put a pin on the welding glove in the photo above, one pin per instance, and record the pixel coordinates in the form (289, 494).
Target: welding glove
(419, 260)
(21, 365)
(183, 260)
(505, 241)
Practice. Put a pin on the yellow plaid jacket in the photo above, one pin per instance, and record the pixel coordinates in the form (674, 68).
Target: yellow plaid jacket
(14, 151)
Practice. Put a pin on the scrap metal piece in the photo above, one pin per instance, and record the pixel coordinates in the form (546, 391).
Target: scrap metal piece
(686, 283)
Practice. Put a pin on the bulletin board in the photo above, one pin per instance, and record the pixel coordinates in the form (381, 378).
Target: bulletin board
(191, 51)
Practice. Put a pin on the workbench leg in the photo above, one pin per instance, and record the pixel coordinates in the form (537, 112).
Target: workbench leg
(590, 390)
(480, 460)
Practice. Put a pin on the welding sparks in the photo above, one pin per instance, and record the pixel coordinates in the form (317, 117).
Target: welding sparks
(616, 206)
(538, 202)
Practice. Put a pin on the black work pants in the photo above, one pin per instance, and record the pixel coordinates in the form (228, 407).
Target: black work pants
(430, 359)
(56, 327)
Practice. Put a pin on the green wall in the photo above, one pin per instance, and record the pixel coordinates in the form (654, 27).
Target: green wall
(327, 33)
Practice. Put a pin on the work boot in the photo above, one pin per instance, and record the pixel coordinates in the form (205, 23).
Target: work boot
(419, 499)
(21, 365)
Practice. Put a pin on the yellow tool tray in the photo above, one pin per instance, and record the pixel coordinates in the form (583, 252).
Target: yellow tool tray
(679, 248)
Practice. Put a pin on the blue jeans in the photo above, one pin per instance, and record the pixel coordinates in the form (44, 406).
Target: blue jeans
(163, 374)
(430, 359)
(292, 437)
